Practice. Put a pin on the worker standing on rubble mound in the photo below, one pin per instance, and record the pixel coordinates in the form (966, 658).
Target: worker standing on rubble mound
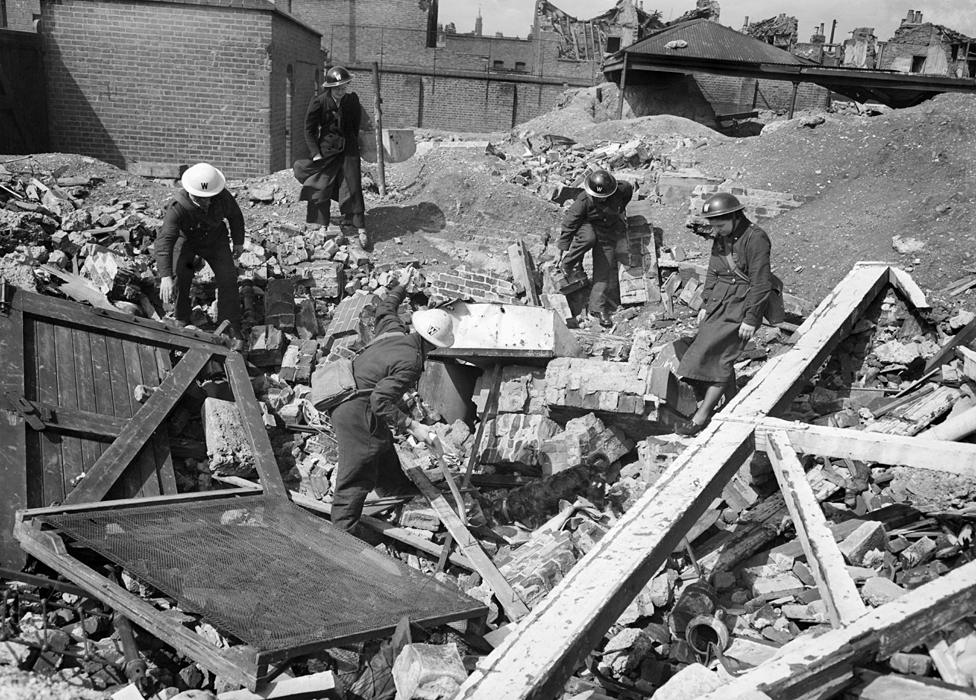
(332, 123)
(195, 225)
(364, 425)
(738, 287)
(597, 221)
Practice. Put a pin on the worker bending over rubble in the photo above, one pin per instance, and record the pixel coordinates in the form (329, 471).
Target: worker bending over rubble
(332, 123)
(597, 221)
(738, 287)
(364, 425)
(195, 225)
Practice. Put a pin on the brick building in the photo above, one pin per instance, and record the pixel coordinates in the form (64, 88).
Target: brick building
(179, 81)
(932, 49)
(437, 79)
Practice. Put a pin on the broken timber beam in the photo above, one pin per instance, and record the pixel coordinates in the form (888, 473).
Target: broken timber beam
(138, 432)
(537, 658)
(510, 601)
(257, 434)
(880, 448)
(904, 283)
(837, 589)
(809, 662)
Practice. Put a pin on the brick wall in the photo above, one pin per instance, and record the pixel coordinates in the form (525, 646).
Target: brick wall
(773, 94)
(20, 14)
(295, 71)
(468, 284)
(123, 91)
(456, 104)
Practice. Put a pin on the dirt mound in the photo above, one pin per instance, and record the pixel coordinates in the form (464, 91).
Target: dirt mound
(906, 173)
(587, 115)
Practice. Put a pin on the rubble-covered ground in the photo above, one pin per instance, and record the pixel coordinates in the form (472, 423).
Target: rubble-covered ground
(834, 188)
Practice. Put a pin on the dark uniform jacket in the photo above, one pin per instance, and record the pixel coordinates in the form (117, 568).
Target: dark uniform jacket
(607, 216)
(332, 129)
(749, 247)
(199, 229)
(391, 365)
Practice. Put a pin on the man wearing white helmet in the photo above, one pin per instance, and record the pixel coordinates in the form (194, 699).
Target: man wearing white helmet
(195, 225)
(364, 425)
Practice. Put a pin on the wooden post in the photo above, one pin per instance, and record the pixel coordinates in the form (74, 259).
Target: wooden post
(623, 86)
(378, 130)
(796, 87)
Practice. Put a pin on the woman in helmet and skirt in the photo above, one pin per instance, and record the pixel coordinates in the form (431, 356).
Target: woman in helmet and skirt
(332, 123)
(737, 288)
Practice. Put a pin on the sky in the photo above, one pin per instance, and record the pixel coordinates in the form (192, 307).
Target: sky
(514, 17)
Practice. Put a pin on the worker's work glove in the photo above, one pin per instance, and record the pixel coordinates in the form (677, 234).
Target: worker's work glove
(404, 276)
(318, 157)
(746, 331)
(238, 249)
(421, 432)
(166, 290)
(701, 316)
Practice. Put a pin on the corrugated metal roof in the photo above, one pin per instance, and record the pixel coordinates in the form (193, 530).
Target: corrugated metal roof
(712, 41)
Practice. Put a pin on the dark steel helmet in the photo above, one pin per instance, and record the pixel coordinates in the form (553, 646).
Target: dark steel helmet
(336, 76)
(600, 184)
(721, 204)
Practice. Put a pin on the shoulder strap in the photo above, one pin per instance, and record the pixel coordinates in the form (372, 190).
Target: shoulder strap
(381, 336)
(735, 268)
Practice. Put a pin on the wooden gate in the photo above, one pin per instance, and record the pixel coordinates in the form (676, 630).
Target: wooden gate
(23, 96)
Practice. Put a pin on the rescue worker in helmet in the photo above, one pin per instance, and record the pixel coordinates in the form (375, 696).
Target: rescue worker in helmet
(737, 288)
(597, 221)
(364, 425)
(195, 224)
(332, 124)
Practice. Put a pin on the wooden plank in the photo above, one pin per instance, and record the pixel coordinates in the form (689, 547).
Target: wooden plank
(120, 454)
(171, 499)
(837, 589)
(46, 377)
(72, 456)
(903, 282)
(963, 337)
(13, 437)
(157, 450)
(536, 659)
(773, 386)
(317, 685)
(510, 601)
(104, 403)
(522, 271)
(257, 435)
(50, 550)
(876, 635)
(167, 476)
(85, 386)
(881, 448)
(134, 478)
(85, 317)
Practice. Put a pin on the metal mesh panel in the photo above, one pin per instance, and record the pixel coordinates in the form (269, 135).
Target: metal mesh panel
(264, 570)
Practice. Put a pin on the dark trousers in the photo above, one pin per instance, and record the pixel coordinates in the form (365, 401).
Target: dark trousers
(216, 251)
(605, 281)
(366, 460)
(318, 213)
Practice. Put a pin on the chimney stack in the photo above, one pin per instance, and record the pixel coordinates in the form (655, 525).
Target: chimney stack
(918, 17)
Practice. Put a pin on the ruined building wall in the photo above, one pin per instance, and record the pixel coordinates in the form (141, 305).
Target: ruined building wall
(121, 90)
(923, 44)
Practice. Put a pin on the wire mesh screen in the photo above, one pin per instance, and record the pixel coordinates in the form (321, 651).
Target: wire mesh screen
(264, 570)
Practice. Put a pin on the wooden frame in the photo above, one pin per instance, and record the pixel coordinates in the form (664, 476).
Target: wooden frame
(537, 658)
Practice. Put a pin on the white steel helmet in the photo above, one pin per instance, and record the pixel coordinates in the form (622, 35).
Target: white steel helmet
(203, 180)
(434, 325)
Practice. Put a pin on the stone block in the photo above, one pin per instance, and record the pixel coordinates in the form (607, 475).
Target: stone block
(594, 384)
(868, 536)
(879, 590)
(420, 516)
(266, 346)
(536, 567)
(689, 683)
(910, 664)
(522, 390)
(227, 446)
(418, 665)
(772, 587)
(348, 315)
(279, 304)
(624, 652)
(306, 321)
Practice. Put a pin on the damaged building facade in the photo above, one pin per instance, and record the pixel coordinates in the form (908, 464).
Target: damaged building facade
(924, 47)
